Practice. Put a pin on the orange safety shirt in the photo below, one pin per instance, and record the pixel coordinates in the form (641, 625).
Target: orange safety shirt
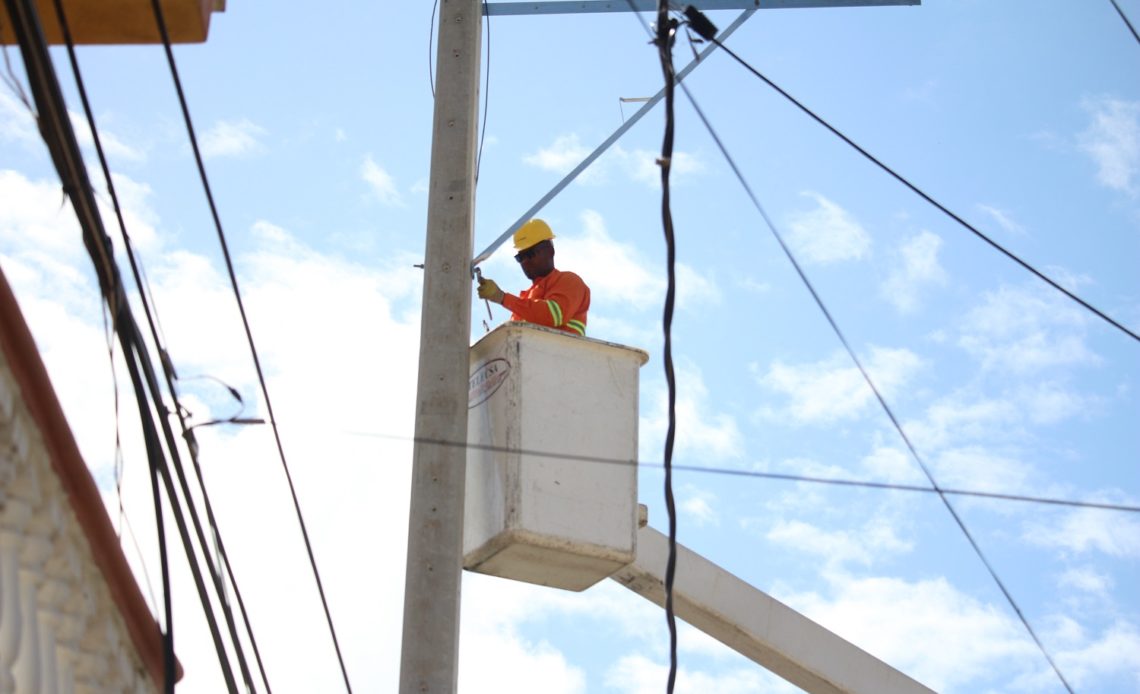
(558, 300)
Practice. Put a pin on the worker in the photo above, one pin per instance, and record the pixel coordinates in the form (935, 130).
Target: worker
(556, 299)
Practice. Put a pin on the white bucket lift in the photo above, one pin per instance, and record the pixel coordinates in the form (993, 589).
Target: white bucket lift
(566, 520)
(562, 520)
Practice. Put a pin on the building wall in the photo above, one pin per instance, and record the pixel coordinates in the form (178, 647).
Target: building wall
(60, 629)
(72, 617)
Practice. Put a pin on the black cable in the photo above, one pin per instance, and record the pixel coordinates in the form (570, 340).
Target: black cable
(1126, 22)
(59, 136)
(486, 79)
(168, 369)
(109, 337)
(664, 41)
(169, 665)
(10, 79)
(14, 84)
(184, 534)
(161, 22)
(922, 194)
(486, 94)
(756, 474)
(431, 41)
(142, 561)
(867, 377)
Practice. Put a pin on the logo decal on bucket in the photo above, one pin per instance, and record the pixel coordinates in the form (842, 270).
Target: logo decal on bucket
(485, 380)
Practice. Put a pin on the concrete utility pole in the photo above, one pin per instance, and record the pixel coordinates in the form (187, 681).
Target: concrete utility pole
(430, 656)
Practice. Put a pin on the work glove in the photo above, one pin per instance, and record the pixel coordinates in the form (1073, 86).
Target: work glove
(490, 291)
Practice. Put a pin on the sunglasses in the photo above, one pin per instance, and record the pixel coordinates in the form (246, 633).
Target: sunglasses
(529, 253)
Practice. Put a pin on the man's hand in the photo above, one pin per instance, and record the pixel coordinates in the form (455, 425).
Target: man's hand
(490, 291)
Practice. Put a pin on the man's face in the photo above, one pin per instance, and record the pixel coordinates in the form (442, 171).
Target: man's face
(537, 261)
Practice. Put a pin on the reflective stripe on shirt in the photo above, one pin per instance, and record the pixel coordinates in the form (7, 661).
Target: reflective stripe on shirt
(555, 312)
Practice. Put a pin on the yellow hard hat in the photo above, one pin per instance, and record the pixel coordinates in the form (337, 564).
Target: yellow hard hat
(533, 232)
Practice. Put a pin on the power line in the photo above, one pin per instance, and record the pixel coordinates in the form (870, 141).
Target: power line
(1126, 22)
(866, 376)
(666, 32)
(922, 194)
(486, 78)
(152, 446)
(431, 41)
(13, 83)
(59, 135)
(161, 23)
(605, 145)
(168, 370)
(758, 474)
(486, 94)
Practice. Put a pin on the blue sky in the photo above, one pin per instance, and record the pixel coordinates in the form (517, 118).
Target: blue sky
(1022, 117)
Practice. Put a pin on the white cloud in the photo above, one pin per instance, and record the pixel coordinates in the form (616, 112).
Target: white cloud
(754, 285)
(961, 419)
(923, 93)
(45, 262)
(561, 156)
(799, 497)
(1112, 139)
(1086, 579)
(640, 165)
(16, 123)
(1116, 652)
(518, 666)
(894, 465)
(138, 216)
(940, 636)
(37, 224)
(701, 431)
(834, 389)
(113, 147)
(1050, 402)
(694, 289)
(504, 609)
(232, 139)
(1025, 331)
(1087, 660)
(698, 506)
(919, 269)
(827, 234)
(1088, 530)
(637, 674)
(36, 218)
(495, 651)
(978, 469)
(381, 182)
(609, 266)
(1003, 219)
(615, 269)
(838, 547)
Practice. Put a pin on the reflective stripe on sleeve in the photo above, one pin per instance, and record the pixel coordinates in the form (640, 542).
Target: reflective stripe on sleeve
(578, 326)
(555, 312)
